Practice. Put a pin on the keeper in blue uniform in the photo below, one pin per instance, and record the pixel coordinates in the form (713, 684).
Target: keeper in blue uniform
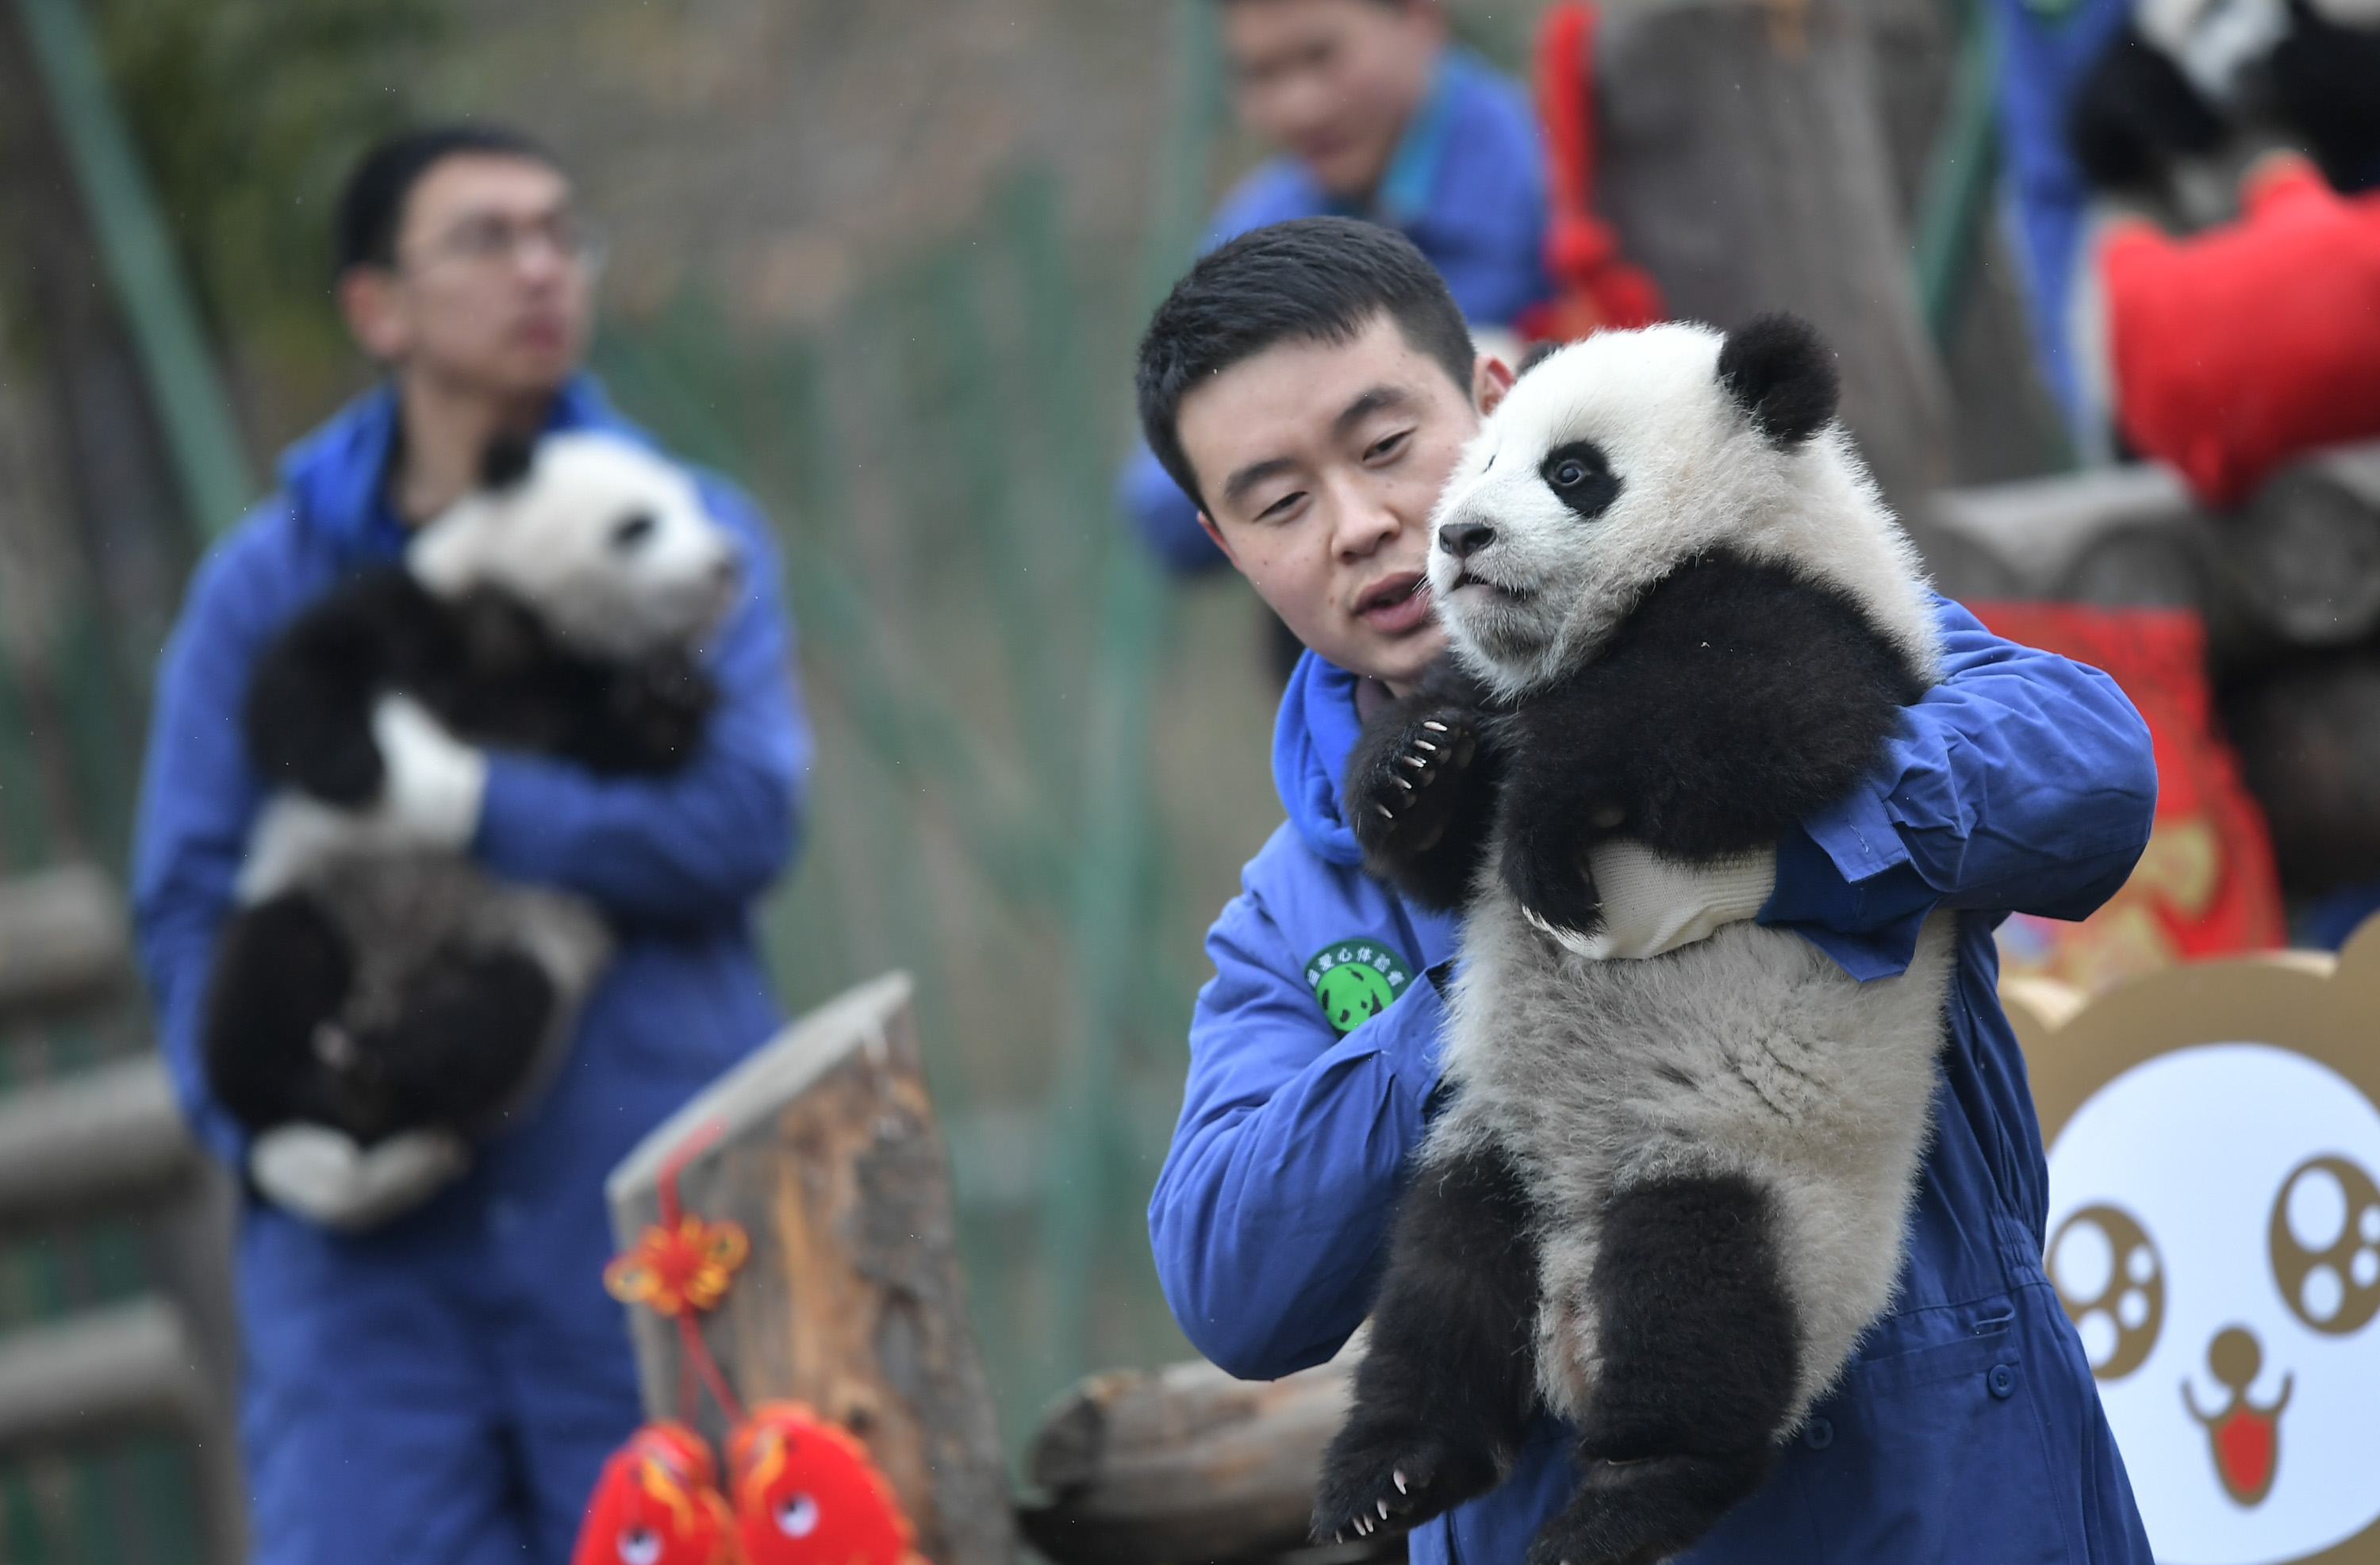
(445, 1385)
(1376, 115)
(1281, 385)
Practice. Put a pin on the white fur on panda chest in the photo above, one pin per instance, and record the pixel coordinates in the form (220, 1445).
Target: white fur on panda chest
(1750, 1053)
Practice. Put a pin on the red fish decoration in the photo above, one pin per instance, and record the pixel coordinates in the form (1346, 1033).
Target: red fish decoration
(807, 1493)
(658, 1503)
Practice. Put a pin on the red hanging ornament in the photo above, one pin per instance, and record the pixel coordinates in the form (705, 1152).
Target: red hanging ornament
(680, 1267)
(671, 1270)
(1595, 286)
(807, 1493)
(658, 1502)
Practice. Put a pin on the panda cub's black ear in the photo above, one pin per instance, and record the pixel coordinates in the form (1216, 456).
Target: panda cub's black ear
(1782, 376)
(505, 461)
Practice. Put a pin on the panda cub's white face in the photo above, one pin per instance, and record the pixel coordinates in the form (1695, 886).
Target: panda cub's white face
(608, 542)
(1611, 462)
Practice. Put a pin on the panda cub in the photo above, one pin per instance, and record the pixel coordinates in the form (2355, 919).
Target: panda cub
(375, 983)
(1665, 1196)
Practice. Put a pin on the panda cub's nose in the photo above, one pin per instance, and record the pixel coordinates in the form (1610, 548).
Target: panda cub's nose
(1462, 540)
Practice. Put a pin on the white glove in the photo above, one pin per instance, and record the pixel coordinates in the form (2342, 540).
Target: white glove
(430, 796)
(434, 782)
(1652, 904)
(322, 1175)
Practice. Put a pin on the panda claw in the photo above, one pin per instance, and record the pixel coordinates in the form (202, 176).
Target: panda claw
(1414, 761)
(1425, 744)
(1406, 785)
(1386, 813)
(1400, 1476)
(1384, 1509)
(1434, 727)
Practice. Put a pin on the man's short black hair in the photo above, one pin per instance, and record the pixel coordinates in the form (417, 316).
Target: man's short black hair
(372, 206)
(1312, 279)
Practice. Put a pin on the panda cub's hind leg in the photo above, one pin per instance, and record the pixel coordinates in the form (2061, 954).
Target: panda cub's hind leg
(1697, 1365)
(1448, 1386)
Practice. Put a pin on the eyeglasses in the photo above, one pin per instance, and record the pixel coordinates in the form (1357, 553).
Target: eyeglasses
(490, 243)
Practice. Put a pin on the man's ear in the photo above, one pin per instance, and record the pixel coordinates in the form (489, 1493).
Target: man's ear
(375, 317)
(1220, 542)
(1490, 379)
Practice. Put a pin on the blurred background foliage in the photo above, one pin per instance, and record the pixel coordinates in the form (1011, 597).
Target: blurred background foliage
(248, 114)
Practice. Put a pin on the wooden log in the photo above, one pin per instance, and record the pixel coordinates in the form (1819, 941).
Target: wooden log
(63, 941)
(1746, 166)
(2041, 533)
(106, 1139)
(2304, 555)
(2308, 734)
(1184, 1464)
(93, 1378)
(2299, 566)
(823, 1147)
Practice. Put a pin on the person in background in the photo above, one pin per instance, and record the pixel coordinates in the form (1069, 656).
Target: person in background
(1376, 115)
(445, 1386)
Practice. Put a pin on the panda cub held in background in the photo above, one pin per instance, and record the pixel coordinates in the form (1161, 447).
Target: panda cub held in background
(375, 986)
(1667, 1195)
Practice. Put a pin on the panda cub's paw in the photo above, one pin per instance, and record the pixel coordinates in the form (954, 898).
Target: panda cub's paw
(1379, 1474)
(1557, 894)
(1402, 795)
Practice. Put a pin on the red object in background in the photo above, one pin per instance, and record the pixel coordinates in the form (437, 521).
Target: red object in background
(2240, 347)
(807, 1493)
(2205, 886)
(657, 1502)
(1594, 287)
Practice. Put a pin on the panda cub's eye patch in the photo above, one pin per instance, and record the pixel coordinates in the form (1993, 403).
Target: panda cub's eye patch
(630, 531)
(1581, 476)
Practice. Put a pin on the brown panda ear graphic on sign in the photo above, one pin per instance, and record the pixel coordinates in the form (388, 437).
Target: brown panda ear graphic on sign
(2213, 1134)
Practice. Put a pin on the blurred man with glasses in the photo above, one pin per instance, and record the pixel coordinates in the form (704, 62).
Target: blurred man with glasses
(442, 1384)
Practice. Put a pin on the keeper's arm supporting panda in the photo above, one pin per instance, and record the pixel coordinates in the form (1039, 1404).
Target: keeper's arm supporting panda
(2021, 780)
(695, 844)
(704, 838)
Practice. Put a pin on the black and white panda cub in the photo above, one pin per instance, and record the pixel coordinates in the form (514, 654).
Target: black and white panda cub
(1665, 1196)
(374, 981)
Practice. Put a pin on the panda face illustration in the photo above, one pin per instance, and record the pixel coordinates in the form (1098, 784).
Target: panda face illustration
(2215, 1236)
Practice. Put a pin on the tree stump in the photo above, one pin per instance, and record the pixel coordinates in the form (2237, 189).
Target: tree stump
(1743, 161)
(1184, 1464)
(823, 1147)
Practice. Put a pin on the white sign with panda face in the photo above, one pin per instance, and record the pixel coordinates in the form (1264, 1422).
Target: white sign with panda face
(2215, 1234)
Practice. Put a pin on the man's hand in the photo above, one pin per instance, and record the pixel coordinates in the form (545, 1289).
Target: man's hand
(430, 796)
(434, 782)
(322, 1175)
(1651, 904)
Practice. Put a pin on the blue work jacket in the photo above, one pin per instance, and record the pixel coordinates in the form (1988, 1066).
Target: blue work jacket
(517, 1245)
(1466, 184)
(1968, 1428)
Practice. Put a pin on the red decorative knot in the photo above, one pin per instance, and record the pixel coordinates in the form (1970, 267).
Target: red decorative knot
(671, 1270)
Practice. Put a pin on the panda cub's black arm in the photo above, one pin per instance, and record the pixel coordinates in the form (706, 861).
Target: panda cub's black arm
(307, 717)
(1738, 698)
(1420, 788)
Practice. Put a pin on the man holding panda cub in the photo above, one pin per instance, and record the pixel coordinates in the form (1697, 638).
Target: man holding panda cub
(446, 1384)
(1312, 385)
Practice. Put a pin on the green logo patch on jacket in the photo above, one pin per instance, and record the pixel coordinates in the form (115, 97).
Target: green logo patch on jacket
(1356, 981)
